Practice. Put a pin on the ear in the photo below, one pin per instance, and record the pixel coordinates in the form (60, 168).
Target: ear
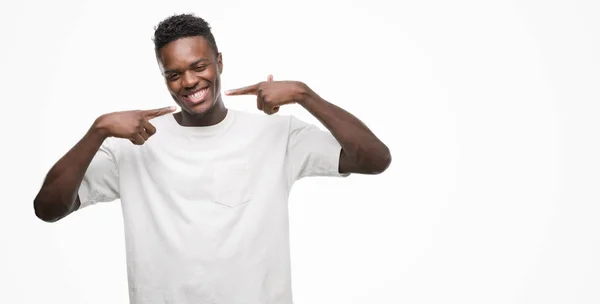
(220, 63)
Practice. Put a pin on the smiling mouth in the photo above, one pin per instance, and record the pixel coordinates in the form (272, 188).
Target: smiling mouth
(197, 96)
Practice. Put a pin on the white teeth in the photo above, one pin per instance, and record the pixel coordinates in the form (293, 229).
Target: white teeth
(197, 95)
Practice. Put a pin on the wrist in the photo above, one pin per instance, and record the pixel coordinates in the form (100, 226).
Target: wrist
(99, 128)
(304, 95)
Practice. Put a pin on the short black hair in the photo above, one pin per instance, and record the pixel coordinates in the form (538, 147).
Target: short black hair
(181, 26)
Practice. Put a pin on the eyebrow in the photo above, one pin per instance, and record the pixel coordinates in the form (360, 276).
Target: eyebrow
(191, 65)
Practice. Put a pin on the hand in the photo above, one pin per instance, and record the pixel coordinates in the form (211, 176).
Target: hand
(270, 95)
(132, 125)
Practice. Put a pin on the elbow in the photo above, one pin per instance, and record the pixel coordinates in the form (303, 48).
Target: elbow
(383, 162)
(376, 163)
(48, 212)
(42, 212)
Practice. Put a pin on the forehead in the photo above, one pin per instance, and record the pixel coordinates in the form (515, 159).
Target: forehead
(184, 51)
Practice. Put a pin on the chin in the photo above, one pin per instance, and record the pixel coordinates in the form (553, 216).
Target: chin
(201, 109)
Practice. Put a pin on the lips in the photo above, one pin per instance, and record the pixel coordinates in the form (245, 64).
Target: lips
(197, 96)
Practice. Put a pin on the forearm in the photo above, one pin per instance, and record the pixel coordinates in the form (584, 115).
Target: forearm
(58, 195)
(358, 142)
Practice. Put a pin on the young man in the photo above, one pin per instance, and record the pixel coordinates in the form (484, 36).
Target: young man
(205, 198)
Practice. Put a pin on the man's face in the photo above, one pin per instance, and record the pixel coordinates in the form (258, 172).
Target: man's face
(192, 73)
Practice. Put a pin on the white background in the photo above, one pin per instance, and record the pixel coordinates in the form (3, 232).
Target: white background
(490, 108)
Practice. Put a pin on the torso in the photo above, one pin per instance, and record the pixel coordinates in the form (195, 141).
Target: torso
(205, 212)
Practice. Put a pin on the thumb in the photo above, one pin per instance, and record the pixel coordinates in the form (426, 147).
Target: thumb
(269, 79)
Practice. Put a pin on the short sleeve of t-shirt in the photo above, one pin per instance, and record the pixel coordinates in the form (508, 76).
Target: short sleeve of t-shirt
(311, 151)
(101, 180)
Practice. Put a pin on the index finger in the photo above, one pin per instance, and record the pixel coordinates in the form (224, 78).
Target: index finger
(159, 112)
(253, 89)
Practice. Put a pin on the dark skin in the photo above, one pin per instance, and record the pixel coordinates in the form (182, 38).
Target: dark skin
(189, 65)
(58, 197)
(192, 71)
(362, 152)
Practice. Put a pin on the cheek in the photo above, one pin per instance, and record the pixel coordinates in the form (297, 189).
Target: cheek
(213, 74)
(172, 87)
(217, 81)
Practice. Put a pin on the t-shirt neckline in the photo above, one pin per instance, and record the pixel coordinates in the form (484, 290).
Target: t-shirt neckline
(201, 130)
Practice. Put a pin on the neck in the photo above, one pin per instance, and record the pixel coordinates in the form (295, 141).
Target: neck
(213, 116)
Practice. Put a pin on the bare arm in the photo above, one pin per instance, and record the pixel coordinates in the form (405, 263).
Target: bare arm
(362, 152)
(58, 196)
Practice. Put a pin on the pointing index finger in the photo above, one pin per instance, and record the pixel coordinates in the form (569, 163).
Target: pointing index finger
(159, 112)
(249, 90)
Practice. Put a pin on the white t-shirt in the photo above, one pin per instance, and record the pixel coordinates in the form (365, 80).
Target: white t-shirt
(206, 208)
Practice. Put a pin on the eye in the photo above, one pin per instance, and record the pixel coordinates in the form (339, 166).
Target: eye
(172, 77)
(200, 68)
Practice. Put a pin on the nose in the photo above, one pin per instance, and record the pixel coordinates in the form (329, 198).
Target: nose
(189, 80)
